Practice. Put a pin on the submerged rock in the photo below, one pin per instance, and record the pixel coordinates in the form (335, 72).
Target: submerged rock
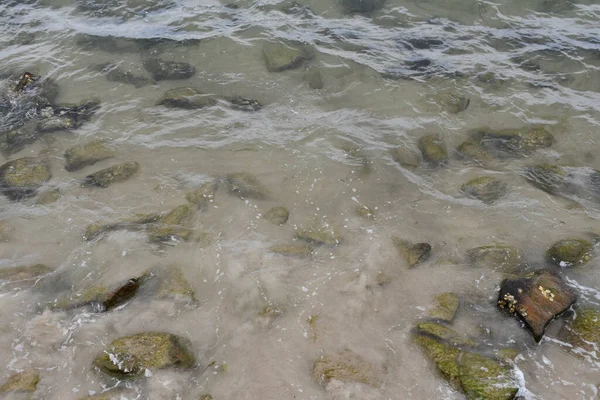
(473, 150)
(113, 394)
(117, 173)
(314, 78)
(87, 154)
(277, 215)
(14, 140)
(242, 104)
(100, 298)
(246, 185)
(25, 381)
(413, 253)
(280, 57)
(170, 283)
(444, 333)
(65, 116)
(292, 250)
(203, 195)
(168, 70)
(445, 308)
(443, 355)
(582, 182)
(319, 233)
(583, 330)
(454, 104)
(346, 366)
(49, 197)
(510, 142)
(172, 226)
(362, 6)
(406, 157)
(433, 149)
(24, 272)
(187, 98)
(131, 356)
(22, 177)
(570, 252)
(495, 256)
(536, 299)
(114, 73)
(484, 378)
(365, 212)
(485, 188)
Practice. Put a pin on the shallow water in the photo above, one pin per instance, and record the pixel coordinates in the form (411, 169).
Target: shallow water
(320, 153)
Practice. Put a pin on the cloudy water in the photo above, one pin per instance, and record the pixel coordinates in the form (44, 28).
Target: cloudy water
(290, 200)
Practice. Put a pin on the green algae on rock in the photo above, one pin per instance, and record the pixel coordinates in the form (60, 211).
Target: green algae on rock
(583, 330)
(22, 177)
(433, 149)
(485, 378)
(100, 298)
(186, 98)
(570, 252)
(135, 355)
(444, 333)
(87, 154)
(412, 253)
(445, 308)
(485, 188)
(346, 366)
(292, 250)
(280, 57)
(25, 381)
(473, 150)
(496, 256)
(277, 215)
(24, 272)
(319, 233)
(171, 226)
(117, 173)
(246, 185)
(443, 355)
(536, 299)
(203, 195)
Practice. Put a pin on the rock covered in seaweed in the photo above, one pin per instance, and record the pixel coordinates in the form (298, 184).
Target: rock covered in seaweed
(186, 98)
(114, 73)
(433, 149)
(66, 116)
(485, 188)
(161, 70)
(173, 225)
(117, 173)
(570, 252)
(445, 307)
(444, 333)
(132, 356)
(81, 156)
(413, 253)
(22, 177)
(25, 381)
(536, 299)
(583, 330)
(346, 366)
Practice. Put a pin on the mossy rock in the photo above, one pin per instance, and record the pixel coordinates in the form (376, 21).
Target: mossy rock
(131, 356)
(87, 154)
(206, 397)
(433, 149)
(161, 70)
(171, 226)
(100, 298)
(445, 334)
(277, 215)
(242, 104)
(346, 366)
(365, 212)
(246, 186)
(117, 173)
(412, 253)
(485, 188)
(521, 140)
(583, 330)
(406, 157)
(25, 381)
(113, 394)
(92, 231)
(203, 195)
(173, 284)
(443, 355)
(48, 197)
(548, 177)
(24, 272)
(473, 150)
(114, 73)
(319, 233)
(177, 216)
(280, 57)
(496, 256)
(485, 378)
(292, 250)
(570, 252)
(362, 6)
(445, 308)
(187, 98)
(22, 177)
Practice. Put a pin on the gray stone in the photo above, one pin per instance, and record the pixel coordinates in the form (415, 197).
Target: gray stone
(187, 98)
(22, 177)
(280, 57)
(87, 154)
(162, 70)
(117, 173)
(277, 215)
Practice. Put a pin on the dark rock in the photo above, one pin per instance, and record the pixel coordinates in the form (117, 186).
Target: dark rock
(25, 381)
(412, 253)
(131, 356)
(87, 154)
(362, 6)
(242, 104)
(277, 215)
(514, 142)
(346, 366)
(22, 177)
(536, 299)
(433, 149)
(162, 70)
(570, 252)
(423, 43)
(485, 188)
(187, 98)
(117, 173)
(280, 57)
(100, 298)
(445, 308)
